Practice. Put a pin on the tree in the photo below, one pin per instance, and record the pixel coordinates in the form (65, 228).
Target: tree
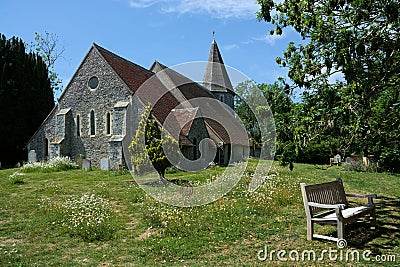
(359, 39)
(155, 140)
(280, 104)
(47, 46)
(26, 98)
(246, 95)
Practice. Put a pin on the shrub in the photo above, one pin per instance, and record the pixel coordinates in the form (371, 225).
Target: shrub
(316, 153)
(359, 166)
(89, 217)
(389, 160)
(53, 165)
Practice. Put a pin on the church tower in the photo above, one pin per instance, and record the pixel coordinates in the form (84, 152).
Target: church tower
(216, 78)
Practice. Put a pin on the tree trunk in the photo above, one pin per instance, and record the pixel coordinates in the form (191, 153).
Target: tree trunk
(162, 177)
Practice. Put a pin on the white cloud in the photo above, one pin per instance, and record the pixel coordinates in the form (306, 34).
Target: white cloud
(267, 38)
(145, 3)
(230, 47)
(222, 9)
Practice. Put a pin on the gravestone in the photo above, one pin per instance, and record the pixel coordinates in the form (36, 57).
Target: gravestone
(32, 156)
(85, 164)
(79, 159)
(105, 164)
(366, 161)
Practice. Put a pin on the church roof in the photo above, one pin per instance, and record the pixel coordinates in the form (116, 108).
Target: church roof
(136, 76)
(191, 90)
(216, 78)
(185, 118)
(169, 90)
(132, 74)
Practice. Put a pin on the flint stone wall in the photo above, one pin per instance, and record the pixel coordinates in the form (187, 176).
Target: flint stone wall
(81, 100)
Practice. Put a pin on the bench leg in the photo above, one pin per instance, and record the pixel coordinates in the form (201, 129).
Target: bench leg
(372, 217)
(340, 230)
(310, 230)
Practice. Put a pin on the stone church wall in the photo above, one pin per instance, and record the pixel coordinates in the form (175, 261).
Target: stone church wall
(82, 100)
(227, 98)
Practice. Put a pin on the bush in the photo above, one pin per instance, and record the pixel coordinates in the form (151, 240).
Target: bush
(89, 217)
(356, 166)
(53, 165)
(316, 153)
(389, 160)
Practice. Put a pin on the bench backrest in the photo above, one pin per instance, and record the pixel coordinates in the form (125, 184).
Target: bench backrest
(325, 193)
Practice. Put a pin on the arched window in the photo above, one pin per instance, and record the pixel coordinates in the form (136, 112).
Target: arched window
(108, 123)
(92, 123)
(222, 98)
(78, 125)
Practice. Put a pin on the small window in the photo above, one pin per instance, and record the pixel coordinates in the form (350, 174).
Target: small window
(92, 123)
(93, 82)
(222, 98)
(46, 148)
(108, 123)
(78, 125)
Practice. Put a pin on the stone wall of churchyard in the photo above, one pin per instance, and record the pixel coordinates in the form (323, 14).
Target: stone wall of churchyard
(82, 100)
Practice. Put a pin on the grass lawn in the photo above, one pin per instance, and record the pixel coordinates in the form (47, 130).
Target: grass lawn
(230, 231)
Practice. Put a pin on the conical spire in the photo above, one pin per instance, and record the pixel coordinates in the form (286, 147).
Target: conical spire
(216, 78)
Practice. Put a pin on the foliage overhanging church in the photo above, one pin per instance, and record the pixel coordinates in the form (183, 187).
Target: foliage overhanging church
(100, 108)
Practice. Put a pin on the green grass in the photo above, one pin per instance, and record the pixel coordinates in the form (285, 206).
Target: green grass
(229, 231)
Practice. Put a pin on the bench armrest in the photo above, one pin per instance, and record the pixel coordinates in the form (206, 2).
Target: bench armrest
(362, 196)
(327, 206)
(369, 196)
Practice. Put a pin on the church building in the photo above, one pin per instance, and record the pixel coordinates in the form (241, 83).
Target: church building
(102, 104)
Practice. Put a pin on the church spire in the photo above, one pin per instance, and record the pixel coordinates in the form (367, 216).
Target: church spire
(216, 78)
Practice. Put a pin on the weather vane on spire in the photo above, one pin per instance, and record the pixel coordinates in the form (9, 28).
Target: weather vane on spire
(213, 32)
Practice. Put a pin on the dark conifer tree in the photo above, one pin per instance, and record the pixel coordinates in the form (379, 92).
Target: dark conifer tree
(25, 98)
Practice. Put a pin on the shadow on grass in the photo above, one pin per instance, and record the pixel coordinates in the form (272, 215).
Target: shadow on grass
(385, 236)
(387, 232)
(166, 183)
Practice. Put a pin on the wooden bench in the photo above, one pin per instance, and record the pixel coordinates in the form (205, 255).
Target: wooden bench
(326, 203)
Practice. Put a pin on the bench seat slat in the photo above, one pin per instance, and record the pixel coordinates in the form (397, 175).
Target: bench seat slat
(347, 213)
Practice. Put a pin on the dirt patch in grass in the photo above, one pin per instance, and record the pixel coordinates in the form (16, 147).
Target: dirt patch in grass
(148, 233)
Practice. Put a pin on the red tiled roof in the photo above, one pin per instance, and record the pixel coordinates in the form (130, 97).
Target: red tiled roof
(135, 76)
(185, 118)
(216, 111)
(132, 74)
(153, 90)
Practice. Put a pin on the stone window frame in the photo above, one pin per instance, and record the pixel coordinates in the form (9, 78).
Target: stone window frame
(88, 83)
(78, 125)
(92, 123)
(108, 124)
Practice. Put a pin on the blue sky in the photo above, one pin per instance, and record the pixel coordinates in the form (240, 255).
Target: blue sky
(170, 31)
